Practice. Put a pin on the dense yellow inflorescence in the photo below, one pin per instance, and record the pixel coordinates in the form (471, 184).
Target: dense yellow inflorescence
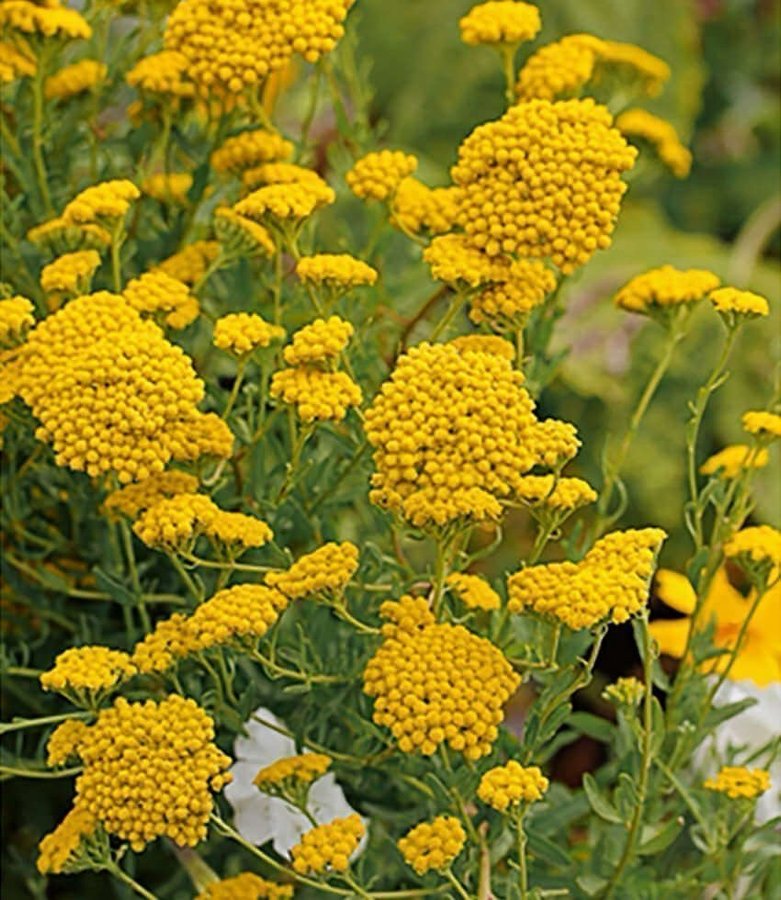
(506, 304)
(190, 263)
(63, 744)
(57, 851)
(742, 303)
(642, 125)
(232, 46)
(241, 235)
(543, 181)
(760, 544)
(473, 591)
(159, 295)
(318, 342)
(455, 261)
(500, 22)
(70, 273)
(278, 173)
(250, 148)
(437, 684)
(335, 269)
(246, 886)
(14, 63)
(16, 316)
(734, 459)
(168, 187)
(377, 175)
(57, 236)
(512, 784)
(485, 343)
(610, 583)
(303, 768)
(432, 846)
(762, 423)
(323, 572)
(74, 79)
(625, 691)
(739, 783)
(328, 847)
(107, 200)
(286, 201)
(162, 73)
(560, 494)
(317, 395)
(241, 333)
(92, 668)
(135, 498)
(49, 20)
(665, 287)
(418, 208)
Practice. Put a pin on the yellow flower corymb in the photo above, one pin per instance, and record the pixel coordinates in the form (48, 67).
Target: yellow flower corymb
(328, 847)
(432, 846)
(739, 783)
(512, 784)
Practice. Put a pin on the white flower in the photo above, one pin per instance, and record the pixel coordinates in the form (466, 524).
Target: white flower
(260, 818)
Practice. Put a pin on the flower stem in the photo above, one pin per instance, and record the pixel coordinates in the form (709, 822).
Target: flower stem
(120, 873)
(38, 160)
(460, 889)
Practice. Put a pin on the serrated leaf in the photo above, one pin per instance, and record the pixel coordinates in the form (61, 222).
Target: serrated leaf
(599, 803)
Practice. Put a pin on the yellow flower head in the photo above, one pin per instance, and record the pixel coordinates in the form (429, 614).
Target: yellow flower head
(303, 769)
(473, 591)
(324, 572)
(70, 273)
(624, 692)
(610, 583)
(571, 156)
(757, 546)
(484, 343)
(64, 741)
(135, 498)
(171, 187)
(162, 73)
(377, 175)
(88, 669)
(107, 200)
(739, 783)
(336, 270)
(319, 342)
(512, 784)
(14, 63)
(161, 296)
(58, 236)
(250, 148)
(246, 886)
(48, 21)
(500, 22)
(317, 395)
(205, 434)
(278, 173)
(240, 235)
(286, 201)
(559, 494)
(432, 846)
(190, 263)
(639, 124)
(60, 851)
(506, 304)
(328, 847)
(16, 316)
(417, 208)
(74, 79)
(241, 333)
(734, 459)
(665, 287)
(730, 301)
(437, 684)
(762, 423)
(453, 259)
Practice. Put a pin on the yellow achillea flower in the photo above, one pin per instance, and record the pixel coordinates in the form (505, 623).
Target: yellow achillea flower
(512, 785)
(70, 273)
(506, 304)
(171, 187)
(303, 769)
(60, 851)
(241, 333)
(74, 79)
(559, 494)
(91, 669)
(246, 886)
(610, 583)
(500, 22)
(555, 442)
(317, 395)
(162, 73)
(665, 287)
(14, 63)
(323, 572)
(328, 847)
(336, 270)
(57, 236)
(163, 756)
(625, 691)
(107, 200)
(318, 342)
(161, 296)
(233, 46)
(759, 659)
(241, 235)
(278, 173)
(573, 156)
(377, 175)
(190, 263)
(734, 459)
(484, 343)
(206, 434)
(762, 423)
(739, 783)
(16, 316)
(432, 846)
(63, 744)
(418, 208)
(473, 591)
(49, 21)
(286, 201)
(760, 545)
(135, 498)
(437, 684)
(642, 125)
(455, 261)
(732, 302)
(250, 148)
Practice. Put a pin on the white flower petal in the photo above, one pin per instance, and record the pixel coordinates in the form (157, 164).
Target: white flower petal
(263, 744)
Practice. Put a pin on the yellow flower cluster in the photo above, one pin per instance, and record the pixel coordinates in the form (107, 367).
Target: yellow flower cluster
(665, 287)
(335, 270)
(432, 846)
(64, 741)
(304, 768)
(734, 459)
(110, 392)
(50, 20)
(610, 583)
(16, 316)
(743, 303)
(563, 67)
(278, 173)
(317, 395)
(506, 304)
(473, 591)
(241, 235)
(233, 45)
(168, 187)
(328, 847)
(162, 73)
(148, 768)
(250, 148)
(70, 273)
(241, 333)
(107, 200)
(157, 294)
(418, 208)
(640, 124)
(324, 572)
(14, 63)
(455, 261)
(543, 181)
(91, 668)
(205, 435)
(57, 236)
(189, 264)
(246, 886)
(560, 494)
(453, 431)
(762, 423)
(739, 783)
(625, 691)
(286, 201)
(377, 175)
(58, 851)
(484, 343)
(437, 683)
(318, 342)
(71, 80)
(760, 545)
(500, 22)
(512, 784)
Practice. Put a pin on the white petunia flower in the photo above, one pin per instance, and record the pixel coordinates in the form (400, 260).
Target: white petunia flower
(260, 818)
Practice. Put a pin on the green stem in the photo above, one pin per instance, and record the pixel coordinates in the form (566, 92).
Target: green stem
(120, 873)
(296, 674)
(195, 591)
(12, 772)
(522, 866)
(456, 304)
(507, 52)
(38, 159)
(127, 542)
(237, 382)
(117, 239)
(19, 724)
(460, 889)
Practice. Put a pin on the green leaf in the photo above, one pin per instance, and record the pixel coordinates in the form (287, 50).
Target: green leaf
(591, 884)
(720, 714)
(626, 795)
(113, 586)
(594, 726)
(599, 803)
(658, 728)
(546, 850)
(656, 838)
